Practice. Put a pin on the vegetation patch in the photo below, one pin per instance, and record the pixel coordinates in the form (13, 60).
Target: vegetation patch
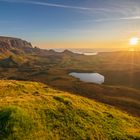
(38, 112)
(14, 123)
(63, 100)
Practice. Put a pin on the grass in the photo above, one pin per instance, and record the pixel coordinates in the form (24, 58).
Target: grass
(53, 69)
(14, 123)
(34, 111)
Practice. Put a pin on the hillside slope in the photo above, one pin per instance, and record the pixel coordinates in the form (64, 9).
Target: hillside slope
(19, 60)
(17, 46)
(30, 110)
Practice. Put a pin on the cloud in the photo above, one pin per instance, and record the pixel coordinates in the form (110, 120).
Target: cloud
(130, 18)
(115, 19)
(105, 11)
(56, 5)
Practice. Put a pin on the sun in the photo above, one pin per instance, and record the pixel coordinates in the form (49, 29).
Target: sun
(134, 41)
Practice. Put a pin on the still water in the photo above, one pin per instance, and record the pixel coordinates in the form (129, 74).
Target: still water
(89, 77)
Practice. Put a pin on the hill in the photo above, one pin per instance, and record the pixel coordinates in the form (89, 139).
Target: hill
(31, 110)
(124, 98)
(10, 45)
(17, 46)
(19, 60)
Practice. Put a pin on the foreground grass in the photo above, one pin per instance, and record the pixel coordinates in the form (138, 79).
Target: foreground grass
(30, 110)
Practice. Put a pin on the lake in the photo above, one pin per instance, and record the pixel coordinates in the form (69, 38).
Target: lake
(89, 77)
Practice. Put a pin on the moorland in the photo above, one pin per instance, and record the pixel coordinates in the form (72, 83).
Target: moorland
(20, 61)
(63, 106)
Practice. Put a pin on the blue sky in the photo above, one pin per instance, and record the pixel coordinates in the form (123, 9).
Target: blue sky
(42, 21)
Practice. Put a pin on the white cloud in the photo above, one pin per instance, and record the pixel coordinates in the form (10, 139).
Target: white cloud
(115, 19)
(56, 5)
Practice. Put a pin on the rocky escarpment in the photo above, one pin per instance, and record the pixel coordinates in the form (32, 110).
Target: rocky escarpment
(14, 45)
(10, 46)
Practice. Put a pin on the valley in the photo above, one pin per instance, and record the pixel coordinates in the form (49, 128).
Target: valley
(120, 89)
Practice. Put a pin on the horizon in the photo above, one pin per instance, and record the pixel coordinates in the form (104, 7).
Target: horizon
(72, 24)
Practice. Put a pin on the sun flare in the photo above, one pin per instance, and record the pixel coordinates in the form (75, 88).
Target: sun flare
(134, 41)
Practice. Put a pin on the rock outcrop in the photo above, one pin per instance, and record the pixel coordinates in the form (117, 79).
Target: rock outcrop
(14, 45)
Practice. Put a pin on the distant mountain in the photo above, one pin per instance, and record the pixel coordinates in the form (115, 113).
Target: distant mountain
(69, 53)
(11, 45)
(14, 45)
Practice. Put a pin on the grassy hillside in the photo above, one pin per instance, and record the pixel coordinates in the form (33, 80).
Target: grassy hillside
(30, 110)
(119, 68)
(124, 98)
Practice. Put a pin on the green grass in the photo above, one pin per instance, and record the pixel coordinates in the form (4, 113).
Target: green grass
(34, 111)
(14, 123)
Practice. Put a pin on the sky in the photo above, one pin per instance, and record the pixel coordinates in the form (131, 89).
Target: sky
(71, 23)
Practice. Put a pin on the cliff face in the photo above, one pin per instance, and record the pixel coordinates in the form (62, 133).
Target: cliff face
(10, 45)
(13, 45)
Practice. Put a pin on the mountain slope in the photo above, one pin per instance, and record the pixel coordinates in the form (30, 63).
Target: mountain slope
(10, 45)
(20, 61)
(17, 46)
(30, 110)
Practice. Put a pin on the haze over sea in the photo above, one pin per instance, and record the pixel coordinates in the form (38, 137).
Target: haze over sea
(90, 50)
